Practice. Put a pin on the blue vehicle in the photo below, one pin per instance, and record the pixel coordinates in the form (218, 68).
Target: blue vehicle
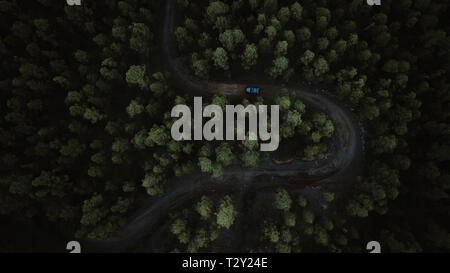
(252, 90)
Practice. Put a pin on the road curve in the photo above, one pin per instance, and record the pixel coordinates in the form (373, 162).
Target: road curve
(342, 165)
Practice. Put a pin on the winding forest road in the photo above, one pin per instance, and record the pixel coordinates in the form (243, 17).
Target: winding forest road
(342, 165)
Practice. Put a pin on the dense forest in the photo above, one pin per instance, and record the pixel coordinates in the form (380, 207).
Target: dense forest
(85, 124)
